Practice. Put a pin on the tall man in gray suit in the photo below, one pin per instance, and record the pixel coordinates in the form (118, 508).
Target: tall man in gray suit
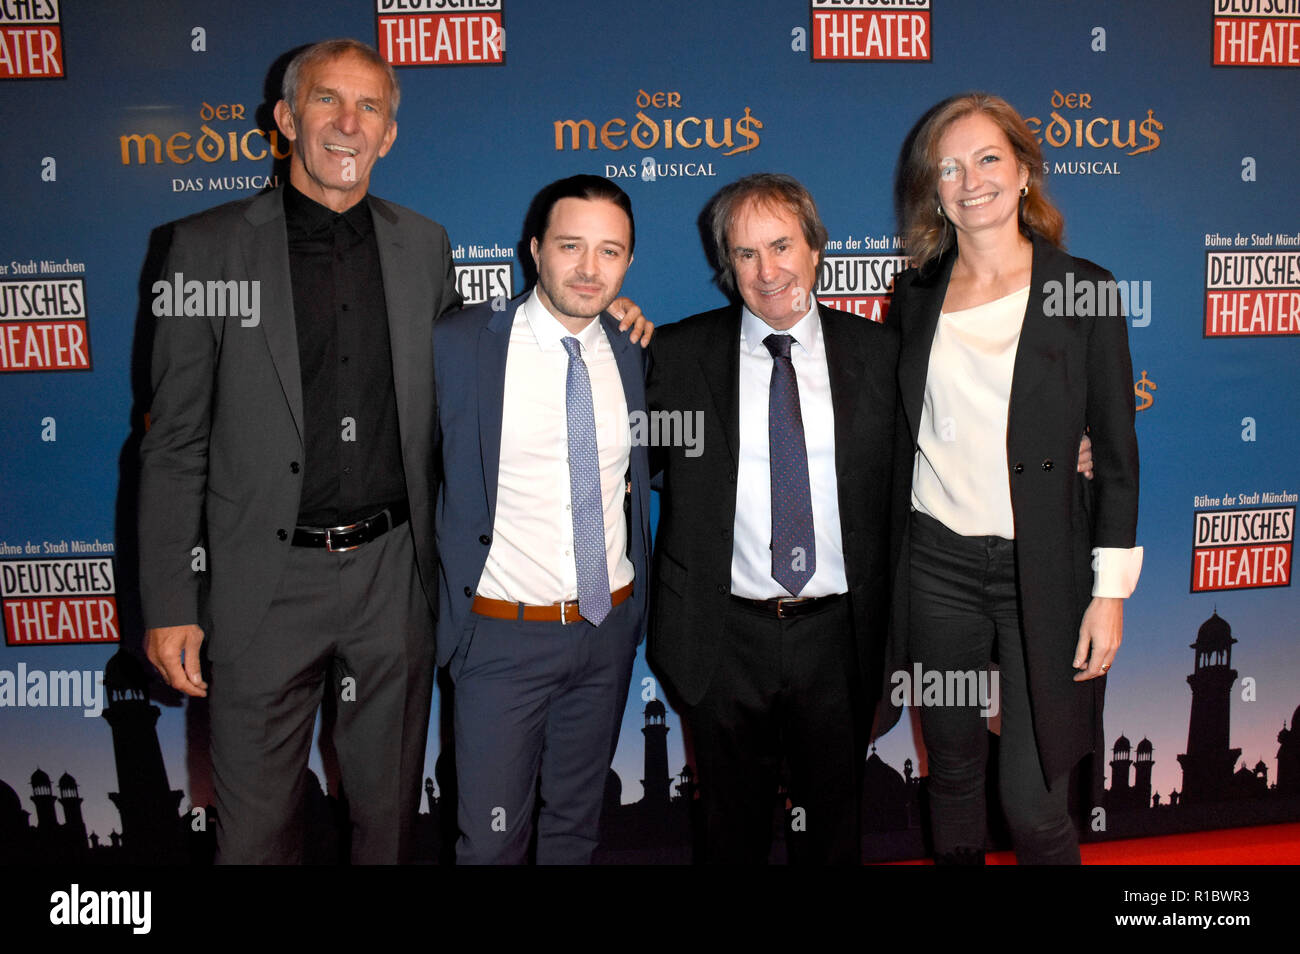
(290, 454)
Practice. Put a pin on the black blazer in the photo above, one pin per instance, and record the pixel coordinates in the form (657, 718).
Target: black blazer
(695, 366)
(1070, 374)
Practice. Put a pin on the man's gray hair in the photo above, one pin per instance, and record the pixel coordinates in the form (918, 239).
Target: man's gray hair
(332, 49)
(765, 189)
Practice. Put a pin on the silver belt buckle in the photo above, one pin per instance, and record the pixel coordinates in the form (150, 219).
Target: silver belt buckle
(330, 531)
(329, 538)
(564, 611)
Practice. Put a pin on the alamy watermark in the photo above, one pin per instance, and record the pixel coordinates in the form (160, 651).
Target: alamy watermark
(89, 907)
(57, 688)
(946, 687)
(1085, 298)
(668, 429)
(181, 298)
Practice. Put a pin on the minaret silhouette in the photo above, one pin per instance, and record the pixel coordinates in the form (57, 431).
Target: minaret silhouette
(1288, 757)
(1142, 767)
(1208, 762)
(43, 799)
(657, 784)
(151, 830)
(74, 825)
(1120, 765)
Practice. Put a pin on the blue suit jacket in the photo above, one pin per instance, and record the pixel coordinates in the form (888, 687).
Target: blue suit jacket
(469, 349)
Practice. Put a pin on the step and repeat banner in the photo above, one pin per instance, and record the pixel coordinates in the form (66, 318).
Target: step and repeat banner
(1168, 133)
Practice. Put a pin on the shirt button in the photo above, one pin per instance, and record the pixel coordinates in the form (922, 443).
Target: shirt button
(293, 467)
(484, 539)
(1047, 464)
(281, 535)
(468, 591)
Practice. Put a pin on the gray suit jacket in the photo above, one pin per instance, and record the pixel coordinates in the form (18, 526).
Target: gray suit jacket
(221, 461)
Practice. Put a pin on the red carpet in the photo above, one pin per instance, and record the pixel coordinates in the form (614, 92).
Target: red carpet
(1262, 845)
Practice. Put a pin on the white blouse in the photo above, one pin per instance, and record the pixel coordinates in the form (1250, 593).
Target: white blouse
(960, 475)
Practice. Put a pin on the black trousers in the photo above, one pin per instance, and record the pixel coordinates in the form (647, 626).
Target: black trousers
(963, 607)
(782, 696)
(354, 623)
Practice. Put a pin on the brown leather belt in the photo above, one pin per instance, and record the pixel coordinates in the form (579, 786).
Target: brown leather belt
(785, 607)
(566, 612)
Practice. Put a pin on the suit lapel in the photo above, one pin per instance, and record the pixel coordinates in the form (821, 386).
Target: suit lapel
(1035, 354)
(493, 347)
(844, 366)
(403, 318)
(721, 366)
(266, 255)
(628, 361)
(914, 356)
(631, 369)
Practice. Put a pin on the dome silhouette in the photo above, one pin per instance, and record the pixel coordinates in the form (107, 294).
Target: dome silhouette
(1214, 635)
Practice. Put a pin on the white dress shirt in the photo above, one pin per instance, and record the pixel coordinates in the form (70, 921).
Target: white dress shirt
(751, 555)
(531, 557)
(960, 475)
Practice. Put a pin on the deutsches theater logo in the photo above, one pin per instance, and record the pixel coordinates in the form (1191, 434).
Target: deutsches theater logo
(861, 281)
(870, 30)
(59, 600)
(675, 139)
(1256, 33)
(1252, 292)
(441, 32)
(43, 317)
(31, 39)
(484, 273)
(1242, 547)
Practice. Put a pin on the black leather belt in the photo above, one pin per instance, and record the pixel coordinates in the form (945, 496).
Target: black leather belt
(338, 539)
(786, 607)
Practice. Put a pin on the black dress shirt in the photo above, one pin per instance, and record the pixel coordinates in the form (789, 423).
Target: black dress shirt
(353, 465)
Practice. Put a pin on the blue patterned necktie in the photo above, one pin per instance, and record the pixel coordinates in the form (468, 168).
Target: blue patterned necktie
(584, 489)
(794, 550)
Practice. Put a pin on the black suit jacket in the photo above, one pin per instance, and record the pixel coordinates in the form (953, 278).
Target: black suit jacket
(221, 463)
(1070, 374)
(695, 366)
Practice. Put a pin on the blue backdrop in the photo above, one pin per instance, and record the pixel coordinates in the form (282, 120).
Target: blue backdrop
(1169, 143)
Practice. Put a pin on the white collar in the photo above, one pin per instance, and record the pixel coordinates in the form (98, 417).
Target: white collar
(806, 331)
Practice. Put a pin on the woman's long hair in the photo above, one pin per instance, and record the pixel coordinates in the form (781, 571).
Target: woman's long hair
(928, 233)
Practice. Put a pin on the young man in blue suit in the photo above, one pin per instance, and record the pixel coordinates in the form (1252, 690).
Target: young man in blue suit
(542, 527)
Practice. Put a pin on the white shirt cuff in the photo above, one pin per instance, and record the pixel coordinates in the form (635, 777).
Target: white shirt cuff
(1115, 571)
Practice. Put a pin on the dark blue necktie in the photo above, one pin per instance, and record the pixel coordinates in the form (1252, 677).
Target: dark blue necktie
(584, 489)
(794, 549)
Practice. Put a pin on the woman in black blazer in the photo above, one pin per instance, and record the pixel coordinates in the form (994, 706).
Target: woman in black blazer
(1011, 352)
